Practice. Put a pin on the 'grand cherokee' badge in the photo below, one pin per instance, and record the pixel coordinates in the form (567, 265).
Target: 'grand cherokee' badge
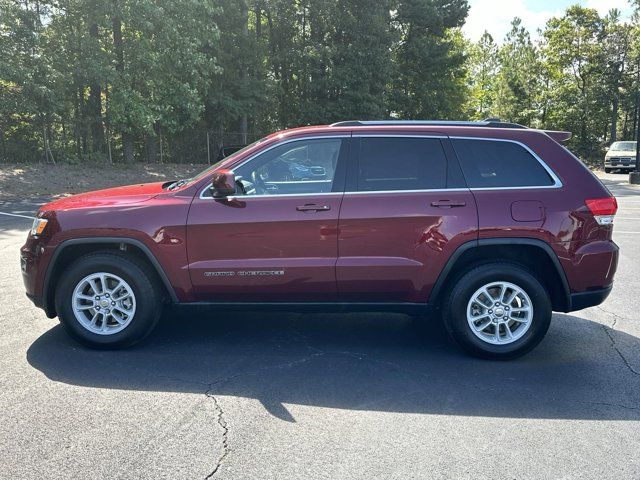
(246, 273)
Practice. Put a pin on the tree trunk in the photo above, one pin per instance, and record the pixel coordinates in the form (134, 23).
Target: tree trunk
(127, 137)
(80, 131)
(95, 105)
(258, 11)
(244, 71)
(614, 113)
(127, 147)
(151, 148)
(4, 145)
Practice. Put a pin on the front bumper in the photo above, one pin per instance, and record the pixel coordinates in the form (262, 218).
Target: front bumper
(34, 259)
(36, 299)
(620, 164)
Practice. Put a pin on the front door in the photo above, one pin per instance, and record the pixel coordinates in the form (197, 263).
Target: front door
(276, 240)
(405, 211)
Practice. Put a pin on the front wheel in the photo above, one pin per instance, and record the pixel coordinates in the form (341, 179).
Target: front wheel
(607, 170)
(498, 311)
(108, 300)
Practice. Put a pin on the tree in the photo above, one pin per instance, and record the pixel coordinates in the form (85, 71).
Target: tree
(164, 69)
(483, 69)
(576, 58)
(83, 79)
(518, 78)
(429, 58)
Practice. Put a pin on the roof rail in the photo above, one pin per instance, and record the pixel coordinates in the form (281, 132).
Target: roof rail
(489, 122)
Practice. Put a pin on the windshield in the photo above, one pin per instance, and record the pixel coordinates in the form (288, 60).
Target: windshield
(623, 146)
(210, 168)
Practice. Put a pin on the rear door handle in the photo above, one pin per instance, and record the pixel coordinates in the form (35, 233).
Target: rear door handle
(312, 207)
(448, 204)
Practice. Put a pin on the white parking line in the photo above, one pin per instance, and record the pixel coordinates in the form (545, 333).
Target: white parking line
(16, 215)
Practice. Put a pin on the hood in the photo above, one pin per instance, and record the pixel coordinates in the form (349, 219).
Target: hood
(621, 153)
(128, 195)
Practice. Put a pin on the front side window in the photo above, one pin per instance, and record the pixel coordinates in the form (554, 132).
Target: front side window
(301, 166)
(499, 164)
(401, 163)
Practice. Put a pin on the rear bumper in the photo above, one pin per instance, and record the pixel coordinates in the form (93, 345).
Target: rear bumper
(588, 299)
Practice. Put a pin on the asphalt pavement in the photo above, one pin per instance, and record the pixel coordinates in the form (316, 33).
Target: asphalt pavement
(341, 396)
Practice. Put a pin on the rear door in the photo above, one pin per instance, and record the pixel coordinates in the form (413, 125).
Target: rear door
(405, 211)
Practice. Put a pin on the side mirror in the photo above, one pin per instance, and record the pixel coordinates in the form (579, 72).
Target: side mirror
(223, 184)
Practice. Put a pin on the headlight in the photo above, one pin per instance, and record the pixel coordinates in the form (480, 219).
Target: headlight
(38, 226)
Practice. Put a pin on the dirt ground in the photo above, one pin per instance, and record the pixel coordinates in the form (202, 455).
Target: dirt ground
(40, 181)
(46, 181)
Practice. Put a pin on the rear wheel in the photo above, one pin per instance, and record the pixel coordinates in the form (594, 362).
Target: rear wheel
(108, 300)
(607, 170)
(498, 311)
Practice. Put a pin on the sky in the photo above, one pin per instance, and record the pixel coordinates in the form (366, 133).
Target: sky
(495, 15)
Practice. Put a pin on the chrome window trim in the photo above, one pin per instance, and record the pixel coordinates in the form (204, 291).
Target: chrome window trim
(432, 190)
(283, 195)
(277, 144)
(557, 183)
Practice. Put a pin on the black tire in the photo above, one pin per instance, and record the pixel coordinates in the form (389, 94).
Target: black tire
(455, 310)
(140, 278)
(607, 170)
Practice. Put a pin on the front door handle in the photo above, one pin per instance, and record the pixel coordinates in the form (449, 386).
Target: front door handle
(448, 204)
(312, 207)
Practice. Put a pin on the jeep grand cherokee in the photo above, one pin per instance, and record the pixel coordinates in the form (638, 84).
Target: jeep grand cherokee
(493, 225)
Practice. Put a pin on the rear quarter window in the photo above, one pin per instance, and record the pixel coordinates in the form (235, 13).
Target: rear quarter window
(499, 164)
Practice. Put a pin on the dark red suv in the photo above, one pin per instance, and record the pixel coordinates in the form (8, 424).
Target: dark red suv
(494, 225)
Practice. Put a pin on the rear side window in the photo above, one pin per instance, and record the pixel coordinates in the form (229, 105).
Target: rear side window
(397, 163)
(494, 164)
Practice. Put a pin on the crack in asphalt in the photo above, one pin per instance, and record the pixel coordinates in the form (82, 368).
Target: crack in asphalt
(220, 412)
(225, 430)
(315, 353)
(608, 332)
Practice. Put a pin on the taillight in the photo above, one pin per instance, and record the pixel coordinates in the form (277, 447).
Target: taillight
(603, 209)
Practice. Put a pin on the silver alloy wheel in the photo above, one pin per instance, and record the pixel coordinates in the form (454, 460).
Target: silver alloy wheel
(499, 313)
(103, 303)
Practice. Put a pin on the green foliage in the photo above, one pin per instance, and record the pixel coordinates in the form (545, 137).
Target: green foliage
(482, 74)
(430, 59)
(518, 80)
(582, 75)
(112, 80)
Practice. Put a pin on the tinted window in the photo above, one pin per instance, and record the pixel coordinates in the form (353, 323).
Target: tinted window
(488, 164)
(396, 163)
(304, 166)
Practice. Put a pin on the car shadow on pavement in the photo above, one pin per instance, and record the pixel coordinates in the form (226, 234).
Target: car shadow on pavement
(379, 362)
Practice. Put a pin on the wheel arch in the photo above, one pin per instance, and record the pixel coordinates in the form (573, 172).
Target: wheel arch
(71, 249)
(536, 255)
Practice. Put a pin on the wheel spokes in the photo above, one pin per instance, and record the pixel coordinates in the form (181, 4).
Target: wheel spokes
(103, 303)
(499, 313)
(485, 324)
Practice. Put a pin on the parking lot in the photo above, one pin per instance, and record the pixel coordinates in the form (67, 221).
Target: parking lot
(280, 395)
